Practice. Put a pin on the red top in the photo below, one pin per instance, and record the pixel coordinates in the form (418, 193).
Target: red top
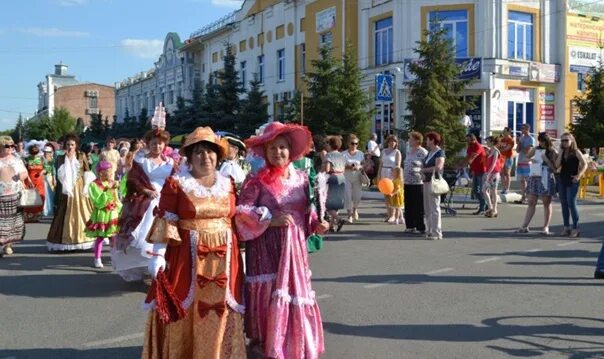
(478, 166)
(498, 165)
(509, 142)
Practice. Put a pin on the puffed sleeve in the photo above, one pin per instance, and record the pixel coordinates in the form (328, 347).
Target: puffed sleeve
(251, 220)
(99, 198)
(164, 229)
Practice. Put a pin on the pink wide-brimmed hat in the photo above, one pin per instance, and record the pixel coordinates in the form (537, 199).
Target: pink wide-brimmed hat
(299, 138)
(103, 166)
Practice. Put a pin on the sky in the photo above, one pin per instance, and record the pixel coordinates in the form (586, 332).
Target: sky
(102, 41)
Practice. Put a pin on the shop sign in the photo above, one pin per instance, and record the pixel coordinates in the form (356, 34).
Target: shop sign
(471, 68)
(325, 19)
(548, 73)
(583, 56)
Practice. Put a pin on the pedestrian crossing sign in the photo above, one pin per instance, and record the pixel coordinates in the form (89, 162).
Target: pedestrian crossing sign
(383, 88)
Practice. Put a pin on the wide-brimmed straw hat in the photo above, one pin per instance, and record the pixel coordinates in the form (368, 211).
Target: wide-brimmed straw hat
(205, 134)
(299, 137)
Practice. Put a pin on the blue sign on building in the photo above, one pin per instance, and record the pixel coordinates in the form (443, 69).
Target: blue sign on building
(383, 87)
(471, 68)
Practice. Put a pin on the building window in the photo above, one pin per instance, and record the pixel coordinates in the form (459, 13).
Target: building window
(303, 58)
(520, 35)
(326, 38)
(455, 23)
(383, 42)
(261, 69)
(242, 71)
(581, 86)
(281, 65)
(93, 102)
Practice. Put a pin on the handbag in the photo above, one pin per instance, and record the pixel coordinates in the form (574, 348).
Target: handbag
(29, 198)
(365, 181)
(438, 184)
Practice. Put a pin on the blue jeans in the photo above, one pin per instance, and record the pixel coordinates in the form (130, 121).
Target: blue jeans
(568, 202)
(477, 182)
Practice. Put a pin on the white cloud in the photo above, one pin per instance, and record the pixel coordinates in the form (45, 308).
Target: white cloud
(233, 4)
(52, 32)
(72, 2)
(146, 49)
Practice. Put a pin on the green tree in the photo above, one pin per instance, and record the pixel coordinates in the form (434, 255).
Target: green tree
(322, 106)
(589, 128)
(293, 109)
(143, 120)
(19, 131)
(179, 116)
(210, 102)
(97, 127)
(229, 88)
(435, 95)
(254, 111)
(354, 114)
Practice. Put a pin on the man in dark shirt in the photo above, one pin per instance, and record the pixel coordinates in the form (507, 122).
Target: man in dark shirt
(477, 158)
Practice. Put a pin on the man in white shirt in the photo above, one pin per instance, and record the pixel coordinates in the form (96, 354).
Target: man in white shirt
(373, 149)
(230, 166)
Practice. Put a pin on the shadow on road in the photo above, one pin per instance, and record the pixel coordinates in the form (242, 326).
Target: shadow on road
(424, 278)
(535, 339)
(105, 353)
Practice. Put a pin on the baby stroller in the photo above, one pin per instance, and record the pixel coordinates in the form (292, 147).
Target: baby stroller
(452, 177)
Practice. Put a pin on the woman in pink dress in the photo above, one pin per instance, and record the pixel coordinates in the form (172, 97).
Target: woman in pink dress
(275, 217)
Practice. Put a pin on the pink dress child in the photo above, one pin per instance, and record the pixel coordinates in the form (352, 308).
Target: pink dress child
(282, 316)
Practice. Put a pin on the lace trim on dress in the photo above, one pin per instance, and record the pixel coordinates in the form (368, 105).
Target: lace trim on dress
(69, 247)
(239, 308)
(221, 188)
(281, 293)
(261, 278)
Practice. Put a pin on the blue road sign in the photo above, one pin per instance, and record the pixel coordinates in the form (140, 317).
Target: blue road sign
(383, 88)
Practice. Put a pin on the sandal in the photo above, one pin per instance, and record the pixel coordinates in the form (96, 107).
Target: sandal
(522, 230)
(340, 224)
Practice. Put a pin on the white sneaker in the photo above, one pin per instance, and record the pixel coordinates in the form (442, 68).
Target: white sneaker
(98, 263)
(106, 241)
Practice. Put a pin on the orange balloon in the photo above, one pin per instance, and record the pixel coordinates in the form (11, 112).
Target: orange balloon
(386, 186)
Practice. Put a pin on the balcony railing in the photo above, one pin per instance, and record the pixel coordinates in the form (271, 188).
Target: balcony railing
(216, 25)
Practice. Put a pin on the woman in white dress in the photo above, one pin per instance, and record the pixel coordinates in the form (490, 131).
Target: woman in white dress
(391, 158)
(354, 168)
(12, 174)
(144, 182)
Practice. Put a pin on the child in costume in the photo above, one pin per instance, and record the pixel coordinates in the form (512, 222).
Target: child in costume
(396, 199)
(103, 222)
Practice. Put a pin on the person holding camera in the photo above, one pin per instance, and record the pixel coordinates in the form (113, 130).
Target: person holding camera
(353, 173)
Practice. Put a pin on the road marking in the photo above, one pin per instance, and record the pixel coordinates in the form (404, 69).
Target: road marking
(487, 260)
(442, 270)
(567, 243)
(375, 285)
(123, 338)
(533, 250)
(323, 296)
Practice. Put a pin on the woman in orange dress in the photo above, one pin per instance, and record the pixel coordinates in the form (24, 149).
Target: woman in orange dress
(35, 167)
(196, 296)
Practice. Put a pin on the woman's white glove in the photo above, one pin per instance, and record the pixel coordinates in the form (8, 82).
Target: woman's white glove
(157, 263)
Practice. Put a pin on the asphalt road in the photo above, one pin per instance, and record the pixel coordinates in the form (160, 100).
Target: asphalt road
(482, 292)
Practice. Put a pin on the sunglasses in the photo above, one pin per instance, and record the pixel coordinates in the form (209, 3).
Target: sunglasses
(564, 140)
(10, 146)
(354, 143)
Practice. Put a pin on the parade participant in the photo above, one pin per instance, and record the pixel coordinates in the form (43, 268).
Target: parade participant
(335, 165)
(414, 197)
(282, 318)
(95, 156)
(231, 167)
(571, 165)
(72, 208)
(396, 199)
(305, 164)
(541, 182)
(103, 222)
(50, 181)
(525, 144)
(391, 158)
(433, 163)
(12, 173)
(143, 185)
(135, 146)
(354, 168)
(506, 147)
(35, 166)
(111, 155)
(121, 163)
(196, 260)
(494, 165)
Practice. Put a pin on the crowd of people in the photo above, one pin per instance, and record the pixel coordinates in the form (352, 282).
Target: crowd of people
(191, 217)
